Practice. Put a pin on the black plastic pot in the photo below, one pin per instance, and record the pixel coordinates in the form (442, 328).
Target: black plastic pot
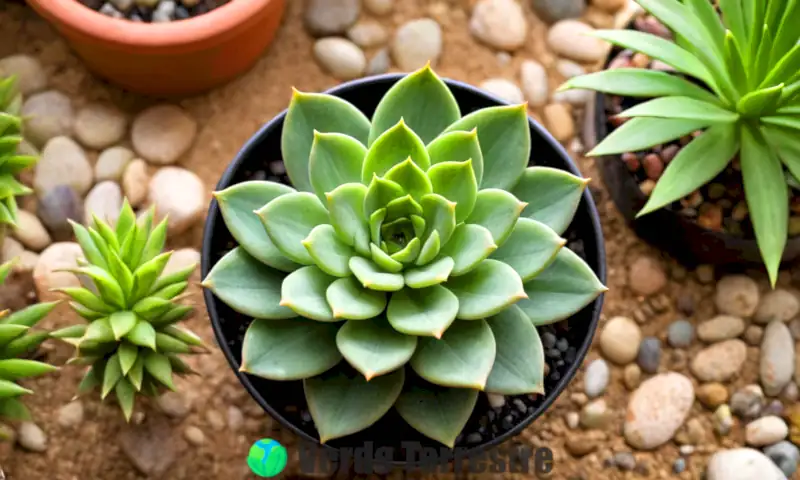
(666, 228)
(285, 400)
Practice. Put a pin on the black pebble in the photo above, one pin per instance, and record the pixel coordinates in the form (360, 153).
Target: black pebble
(260, 175)
(474, 438)
(306, 416)
(553, 353)
(548, 340)
(181, 13)
(562, 344)
(507, 423)
(555, 376)
(520, 405)
(570, 354)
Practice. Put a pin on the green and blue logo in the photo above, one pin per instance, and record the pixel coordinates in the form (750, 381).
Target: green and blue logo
(267, 458)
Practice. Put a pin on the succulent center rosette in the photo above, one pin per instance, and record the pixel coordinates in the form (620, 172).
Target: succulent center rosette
(411, 264)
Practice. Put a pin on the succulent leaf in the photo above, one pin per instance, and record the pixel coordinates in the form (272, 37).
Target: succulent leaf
(486, 290)
(552, 196)
(349, 300)
(310, 112)
(9, 332)
(330, 254)
(462, 358)
(437, 412)
(383, 261)
(519, 369)
(380, 193)
(458, 146)
(456, 182)
(423, 312)
(468, 247)
(335, 160)
(530, 248)
(347, 216)
(13, 409)
(440, 215)
(373, 347)
(289, 349)
(563, 288)
(289, 219)
(238, 204)
(431, 273)
(304, 292)
(430, 249)
(410, 178)
(341, 404)
(392, 147)
(642, 133)
(497, 211)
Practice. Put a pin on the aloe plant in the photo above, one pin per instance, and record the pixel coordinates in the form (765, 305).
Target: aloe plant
(748, 62)
(410, 264)
(131, 341)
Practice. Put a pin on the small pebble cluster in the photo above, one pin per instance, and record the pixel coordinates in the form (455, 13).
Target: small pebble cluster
(153, 11)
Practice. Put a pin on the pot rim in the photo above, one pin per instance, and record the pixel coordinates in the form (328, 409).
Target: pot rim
(558, 149)
(219, 22)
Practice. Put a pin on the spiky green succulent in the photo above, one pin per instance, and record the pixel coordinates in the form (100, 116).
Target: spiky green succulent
(748, 59)
(17, 341)
(131, 340)
(420, 240)
(11, 162)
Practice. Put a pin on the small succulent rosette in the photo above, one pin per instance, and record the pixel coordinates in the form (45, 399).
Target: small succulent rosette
(410, 264)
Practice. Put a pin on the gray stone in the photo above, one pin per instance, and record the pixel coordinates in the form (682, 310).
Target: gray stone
(572, 39)
(31, 77)
(47, 115)
(57, 205)
(71, 414)
(31, 437)
(165, 11)
(779, 304)
(149, 446)
(163, 133)
(747, 402)
(500, 24)
(110, 11)
(555, 10)
(657, 409)
(649, 356)
(30, 231)
(785, 455)
(180, 194)
(624, 461)
(720, 361)
(330, 17)
(104, 201)
(765, 431)
(721, 327)
(379, 63)
(595, 379)
(777, 358)
(742, 464)
(737, 295)
(504, 89)
(680, 333)
(340, 57)
(174, 404)
(367, 34)
(533, 78)
(100, 125)
(417, 42)
(63, 162)
(111, 163)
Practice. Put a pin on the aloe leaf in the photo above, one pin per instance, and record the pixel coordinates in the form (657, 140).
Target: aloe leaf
(734, 19)
(349, 300)
(411, 178)
(685, 173)
(73, 331)
(686, 108)
(792, 122)
(248, 286)
(11, 389)
(373, 347)
(424, 312)
(421, 99)
(456, 182)
(99, 331)
(436, 412)
(379, 194)
(766, 193)
(125, 397)
(392, 147)
(346, 207)
(430, 249)
(341, 405)
(409, 253)
(486, 290)
(304, 292)
(440, 216)
(143, 335)
(658, 48)
(335, 160)
(709, 21)
(151, 308)
(733, 57)
(107, 286)
(31, 315)
(111, 375)
(330, 254)
(289, 349)
(128, 354)
(13, 409)
(155, 242)
(88, 246)
(519, 366)
(16, 368)
(159, 367)
(169, 345)
(429, 274)
(641, 133)
(289, 219)
(147, 275)
(530, 248)
(786, 35)
(468, 247)
(310, 112)
(566, 286)
(636, 82)
(462, 358)
(505, 139)
(383, 261)
(787, 144)
(121, 323)
(238, 204)
(458, 146)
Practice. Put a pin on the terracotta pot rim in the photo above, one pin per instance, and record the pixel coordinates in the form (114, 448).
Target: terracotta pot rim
(216, 23)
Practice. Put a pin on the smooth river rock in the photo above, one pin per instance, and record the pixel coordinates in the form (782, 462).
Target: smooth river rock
(720, 361)
(742, 464)
(776, 366)
(657, 409)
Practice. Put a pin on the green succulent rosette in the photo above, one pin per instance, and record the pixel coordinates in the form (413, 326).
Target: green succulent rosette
(130, 342)
(418, 240)
(11, 163)
(18, 341)
(747, 59)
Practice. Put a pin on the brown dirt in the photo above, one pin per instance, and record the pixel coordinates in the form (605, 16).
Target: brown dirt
(228, 117)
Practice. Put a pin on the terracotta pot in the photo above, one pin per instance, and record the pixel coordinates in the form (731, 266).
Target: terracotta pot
(178, 58)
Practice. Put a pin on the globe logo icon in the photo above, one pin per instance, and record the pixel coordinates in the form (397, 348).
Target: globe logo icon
(267, 458)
